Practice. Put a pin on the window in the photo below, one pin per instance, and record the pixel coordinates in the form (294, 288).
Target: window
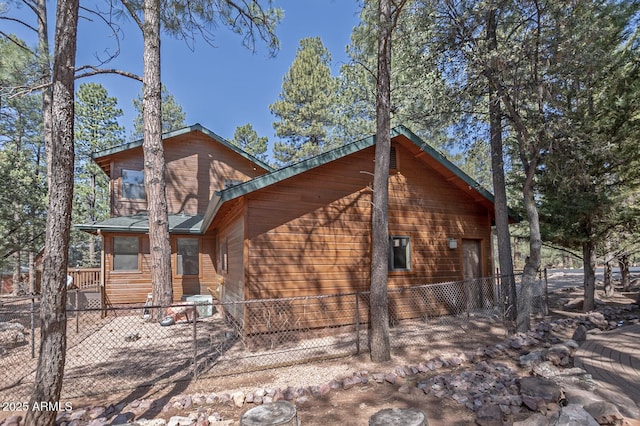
(399, 253)
(223, 260)
(125, 253)
(133, 185)
(188, 258)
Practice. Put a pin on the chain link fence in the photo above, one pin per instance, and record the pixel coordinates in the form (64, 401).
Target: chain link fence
(120, 348)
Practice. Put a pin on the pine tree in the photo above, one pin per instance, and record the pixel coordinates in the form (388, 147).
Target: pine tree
(305, 105)
(96, 129)
(173, 117)
(247, 139)
(21, 155)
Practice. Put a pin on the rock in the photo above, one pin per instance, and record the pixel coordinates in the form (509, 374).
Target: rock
(605, 413)
(580, 335)
(404, 389)
(489, 415)
(181, 421)
(536, 419)
(152, 422)
(627, 407)
(391, 378)
(537, 392)
(123, 418)
(238, 399)
(575, 415)
(530, 359)
(95, 412)
(581, 397)
(12, 420)
(546, 369)
(350, 382)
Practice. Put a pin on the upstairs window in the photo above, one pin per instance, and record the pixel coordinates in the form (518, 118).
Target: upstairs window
(133, 185)
(399, 253)
(188, 259)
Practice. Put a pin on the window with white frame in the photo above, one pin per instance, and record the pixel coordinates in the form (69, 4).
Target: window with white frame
(133, 185)
(187, 255)
(399, 253)
(125, 253)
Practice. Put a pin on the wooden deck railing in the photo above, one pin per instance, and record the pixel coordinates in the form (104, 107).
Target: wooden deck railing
(85, 277)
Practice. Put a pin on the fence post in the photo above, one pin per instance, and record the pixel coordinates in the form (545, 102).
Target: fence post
(195, 343)
(33, 327)
(357, 325)
(77, 311)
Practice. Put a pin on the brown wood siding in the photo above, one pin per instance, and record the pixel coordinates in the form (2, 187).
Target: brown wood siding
(196, 167)
(310, 235)
(133, 286)
(233, 287)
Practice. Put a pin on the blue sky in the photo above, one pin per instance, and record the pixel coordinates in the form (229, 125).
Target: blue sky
(225, 86)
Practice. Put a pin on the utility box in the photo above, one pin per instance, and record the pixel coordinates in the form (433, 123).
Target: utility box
(203, 302)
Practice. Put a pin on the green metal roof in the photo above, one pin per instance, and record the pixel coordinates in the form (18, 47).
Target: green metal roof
(196, 127)
(178, 224)
(220, 197)
(199, 224)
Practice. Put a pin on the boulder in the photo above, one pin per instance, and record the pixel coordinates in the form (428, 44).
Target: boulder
(537, 392)
(535, 419)
(604, 412)
(575, 415)
(489, 415)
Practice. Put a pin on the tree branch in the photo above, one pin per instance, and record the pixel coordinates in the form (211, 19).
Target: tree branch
(96, 71)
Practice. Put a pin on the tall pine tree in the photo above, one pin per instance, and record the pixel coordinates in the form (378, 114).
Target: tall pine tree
(247, 139)
(96, 128)
(173, 117)
(305, 105)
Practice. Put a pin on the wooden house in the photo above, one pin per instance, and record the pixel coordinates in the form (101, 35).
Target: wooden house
(242, 231)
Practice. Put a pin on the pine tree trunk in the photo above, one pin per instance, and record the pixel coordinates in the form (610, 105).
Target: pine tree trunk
(379, 332)
(508, 285)
(623, 262)
(532, 263)
(15, 260)
(154, 162)
(49, 373)
(608, 280)
(589, 265)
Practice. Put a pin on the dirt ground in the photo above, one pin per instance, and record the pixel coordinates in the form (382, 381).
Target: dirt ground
(344, 407)
(356, 405)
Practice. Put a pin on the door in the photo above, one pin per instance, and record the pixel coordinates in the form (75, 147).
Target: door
(471, 255)
(472, 273)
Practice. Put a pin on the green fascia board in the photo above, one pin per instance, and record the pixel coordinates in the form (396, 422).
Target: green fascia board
(178, 224)
(179, 132)
(432, 152)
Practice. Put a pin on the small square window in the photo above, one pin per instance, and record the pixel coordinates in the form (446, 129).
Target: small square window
(187, 256)
(399, 253)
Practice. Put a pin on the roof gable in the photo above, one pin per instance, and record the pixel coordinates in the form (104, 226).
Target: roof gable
(102, 157)
(439, 162)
